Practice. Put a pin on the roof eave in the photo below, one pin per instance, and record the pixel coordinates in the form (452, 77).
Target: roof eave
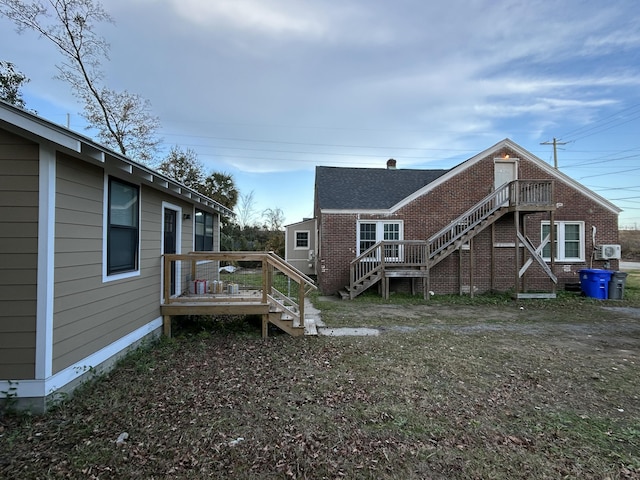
(37, 129)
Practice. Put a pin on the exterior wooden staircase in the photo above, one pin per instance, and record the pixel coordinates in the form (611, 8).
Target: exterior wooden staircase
(414, 259)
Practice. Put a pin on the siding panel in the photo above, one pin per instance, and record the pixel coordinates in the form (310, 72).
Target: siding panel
(90, 314)
(19, 255)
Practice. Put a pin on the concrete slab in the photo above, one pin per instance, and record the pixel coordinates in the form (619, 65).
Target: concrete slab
(312, 316)
(626, 266)
(348, 331)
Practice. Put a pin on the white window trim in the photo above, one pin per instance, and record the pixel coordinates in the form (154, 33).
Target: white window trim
(379, 231)
(560, 224)
(105, 228)
(295, 239)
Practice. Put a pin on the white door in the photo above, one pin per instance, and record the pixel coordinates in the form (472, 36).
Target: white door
(504, 171)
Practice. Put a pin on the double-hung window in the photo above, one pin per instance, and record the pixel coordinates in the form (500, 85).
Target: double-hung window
(568, 241)
(372, 232)
(123, 227)
(204, 231)
(302, 239)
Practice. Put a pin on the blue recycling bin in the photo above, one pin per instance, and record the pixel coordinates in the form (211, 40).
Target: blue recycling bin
(595, 282)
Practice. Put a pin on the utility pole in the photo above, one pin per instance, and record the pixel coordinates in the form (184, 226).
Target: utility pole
(555, 144)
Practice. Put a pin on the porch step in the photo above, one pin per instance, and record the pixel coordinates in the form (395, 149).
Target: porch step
(286, 324)
(292, 325)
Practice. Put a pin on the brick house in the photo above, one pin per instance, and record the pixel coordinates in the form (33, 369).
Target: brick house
(483, 225)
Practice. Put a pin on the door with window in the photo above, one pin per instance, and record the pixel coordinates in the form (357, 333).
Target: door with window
(370, 233)
(171, 241)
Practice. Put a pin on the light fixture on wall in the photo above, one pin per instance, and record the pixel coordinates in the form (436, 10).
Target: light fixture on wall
(186, 216)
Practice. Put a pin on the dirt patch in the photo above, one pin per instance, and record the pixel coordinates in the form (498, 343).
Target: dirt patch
(589, 328)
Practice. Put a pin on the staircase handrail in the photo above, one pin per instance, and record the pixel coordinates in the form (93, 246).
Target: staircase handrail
(470, 219)
(292, 272)
(289, 270)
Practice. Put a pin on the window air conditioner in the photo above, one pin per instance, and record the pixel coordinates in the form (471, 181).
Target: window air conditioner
(608, 252)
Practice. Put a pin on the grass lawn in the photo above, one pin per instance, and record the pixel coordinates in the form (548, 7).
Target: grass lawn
(457, 388)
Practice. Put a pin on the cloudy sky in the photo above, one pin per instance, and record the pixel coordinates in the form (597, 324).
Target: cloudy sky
(268, 89)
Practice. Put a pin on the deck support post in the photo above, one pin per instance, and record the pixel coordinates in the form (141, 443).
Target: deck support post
(265, 325)
(516, 254)
(166, 325)
(471, 272)
(492, 258)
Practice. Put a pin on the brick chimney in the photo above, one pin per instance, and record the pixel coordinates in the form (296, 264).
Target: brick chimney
(391, 164)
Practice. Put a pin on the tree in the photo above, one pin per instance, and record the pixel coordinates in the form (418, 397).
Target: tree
(222, 188)
(246, 211)
(184, 167)
(274, 220)
(10, 83)
(123, 120)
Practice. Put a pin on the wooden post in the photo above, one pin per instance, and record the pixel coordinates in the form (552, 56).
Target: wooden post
(516, 223)
(265, 325)
(552, 239)
(492, 259)
(523, 226)
(301, 302)
(167, 279)
(266, 282)
(166, 325)
(460, 292)
(471, 260)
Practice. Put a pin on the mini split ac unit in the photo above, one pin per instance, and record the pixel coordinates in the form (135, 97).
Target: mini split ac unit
(607, 252)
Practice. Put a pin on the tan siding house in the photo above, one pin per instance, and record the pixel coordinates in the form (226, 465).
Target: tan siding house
(18, 254)
(300, 245)
(82, 233)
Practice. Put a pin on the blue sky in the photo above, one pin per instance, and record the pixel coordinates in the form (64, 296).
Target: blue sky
(268, 89)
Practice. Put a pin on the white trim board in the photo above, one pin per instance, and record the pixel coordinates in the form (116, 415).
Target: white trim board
(46, 261)
(42, 388)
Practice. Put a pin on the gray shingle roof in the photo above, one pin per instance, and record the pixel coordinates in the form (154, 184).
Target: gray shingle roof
(340, 188)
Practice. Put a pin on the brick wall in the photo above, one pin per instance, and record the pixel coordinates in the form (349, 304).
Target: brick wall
(491, 269)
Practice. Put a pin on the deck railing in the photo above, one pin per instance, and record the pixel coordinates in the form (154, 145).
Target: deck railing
(388, 253)
(200, 278)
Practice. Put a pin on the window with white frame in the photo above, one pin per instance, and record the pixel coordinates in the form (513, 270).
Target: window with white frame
(568, 241)
(123, 227)
(302, 239)
(372, 232)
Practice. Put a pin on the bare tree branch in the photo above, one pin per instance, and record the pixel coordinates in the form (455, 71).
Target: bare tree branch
(123, 120)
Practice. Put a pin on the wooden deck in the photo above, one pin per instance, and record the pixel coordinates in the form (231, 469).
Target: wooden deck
(235, 283)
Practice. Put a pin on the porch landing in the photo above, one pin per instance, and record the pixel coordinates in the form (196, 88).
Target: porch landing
(236, 283)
